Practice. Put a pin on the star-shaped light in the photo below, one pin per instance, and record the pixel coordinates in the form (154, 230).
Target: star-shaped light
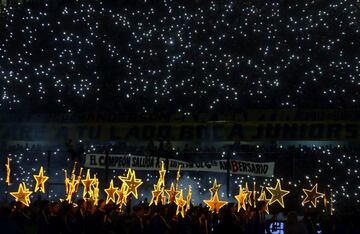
(215, 188)
(122, 194)
(8, 171)
(277, 194)
(155, 195)
(248, 194)
(172, 193)
(181, 203)
(241, 198)
(110, 192)
(127, 177)
(215, 204)
(312, 195)
(87, 182)
(22, 195)
(40, 181)
(263, 198)
(133, 183)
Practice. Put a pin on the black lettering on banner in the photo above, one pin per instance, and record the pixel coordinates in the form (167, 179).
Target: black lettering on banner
(265, 169)
(102, 160)
(223, 165)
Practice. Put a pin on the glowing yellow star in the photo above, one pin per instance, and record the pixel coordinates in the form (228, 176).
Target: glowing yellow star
(248, 194)
(22, 195)
(312, 195)
(277, 194)
(127, 177)
(265, 200)
(241, 199)
(40, 181)
(156, 193)
(133, 183)
(87, 182)
(8, 170)
(215, 188)
(172, 193)
(110, 192)
(122, 195)
(215, 204)
(181, 203)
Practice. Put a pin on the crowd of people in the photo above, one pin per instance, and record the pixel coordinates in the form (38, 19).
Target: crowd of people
(44, 217)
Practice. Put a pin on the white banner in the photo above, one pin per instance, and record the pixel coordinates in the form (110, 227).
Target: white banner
(121, 161)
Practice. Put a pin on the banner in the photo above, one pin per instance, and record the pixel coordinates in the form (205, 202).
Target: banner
(144, 163)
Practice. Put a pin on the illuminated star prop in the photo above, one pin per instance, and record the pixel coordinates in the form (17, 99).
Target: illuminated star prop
(122, 195)
(215, 188)
(215, 204)
(133, 183)
(127, 177)
(22, 195)
(156, 193)
(8, 170)
(241, 197)
(263, 198)
(110, 192)
(40, 181)
(87, 182)
(181, 203)
(277, 194)
(312, 195)
(172, 193)
(248, 194)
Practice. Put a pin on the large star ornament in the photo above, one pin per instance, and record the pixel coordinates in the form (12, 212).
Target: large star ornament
(312, 195)
(215, 204)
(265, 200)
(22, 195)
(277, 194)
(40, 181)
(132, 184)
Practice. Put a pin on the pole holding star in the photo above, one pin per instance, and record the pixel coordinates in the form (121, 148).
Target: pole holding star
(8, 171)
(40, 181)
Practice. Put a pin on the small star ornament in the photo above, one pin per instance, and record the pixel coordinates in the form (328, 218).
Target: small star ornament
(40, 181)
(181, 203)
(87, 183)
(215, 188)
(172, 193)
(312, 195)
(110, 192)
